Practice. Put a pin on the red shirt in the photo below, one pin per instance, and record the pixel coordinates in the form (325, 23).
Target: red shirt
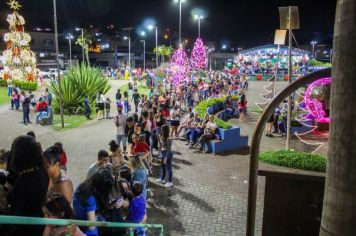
(41, 106)
(63, 159)
(140, 147)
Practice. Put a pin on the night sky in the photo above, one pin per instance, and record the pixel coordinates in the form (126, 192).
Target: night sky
(240, 23)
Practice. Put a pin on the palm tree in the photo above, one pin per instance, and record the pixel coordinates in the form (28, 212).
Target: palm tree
(85, 43)
(164, 51)
(339, 211)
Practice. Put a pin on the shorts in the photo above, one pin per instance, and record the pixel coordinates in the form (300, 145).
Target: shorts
(175, 123)
(121, 138)
(101, 106)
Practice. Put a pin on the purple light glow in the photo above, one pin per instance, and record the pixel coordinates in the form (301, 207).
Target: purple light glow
(314, 106)
(179, 66)
(199, 58)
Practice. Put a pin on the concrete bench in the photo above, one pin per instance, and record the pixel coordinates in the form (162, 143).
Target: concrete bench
(229, 140)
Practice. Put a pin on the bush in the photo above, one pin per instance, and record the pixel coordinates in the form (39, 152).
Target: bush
(203, 106)
(23, 85)
(296, 160)
(79, 81)
(316, 63)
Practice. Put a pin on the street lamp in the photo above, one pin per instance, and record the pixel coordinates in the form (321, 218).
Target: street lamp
(180, 20)
(224, 46)
(210, 51)
(198, 18)
(81, 29)
(313, 44)
(57, 59)
(151, 27)
(70, 37)
(129, 38)
(144, 54)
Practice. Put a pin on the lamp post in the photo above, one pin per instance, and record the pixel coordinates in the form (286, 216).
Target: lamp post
(198, 18)
(144, 54)
(313, 43)
(70, 37)
(129, 38)
(151, 27)
(180, 20)
(81, 29)
(57, 59)
(211, 50)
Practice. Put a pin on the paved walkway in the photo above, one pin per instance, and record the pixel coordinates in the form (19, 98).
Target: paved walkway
(210, 191)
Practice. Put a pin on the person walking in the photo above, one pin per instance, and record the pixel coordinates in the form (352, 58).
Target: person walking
(26, 109)
(87, 107)
(136, 99)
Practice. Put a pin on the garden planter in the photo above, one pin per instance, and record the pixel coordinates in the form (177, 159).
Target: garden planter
(293, 202)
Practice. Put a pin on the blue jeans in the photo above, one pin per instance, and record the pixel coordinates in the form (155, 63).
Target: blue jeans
(126, 107)
(168, 166)
(121, 139)
(9, 91)
(26, 114)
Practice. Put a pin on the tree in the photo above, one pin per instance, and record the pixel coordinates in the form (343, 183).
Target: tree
(179, 66)
(19, 60)
(85, 41)
(339, 209)
(164, 52)
(199, 57)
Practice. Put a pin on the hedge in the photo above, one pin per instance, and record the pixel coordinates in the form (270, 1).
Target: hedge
(296, 160)
(23, 85)
(203, 106)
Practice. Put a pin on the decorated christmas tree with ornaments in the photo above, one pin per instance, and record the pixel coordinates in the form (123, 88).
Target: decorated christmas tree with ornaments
(20, 61)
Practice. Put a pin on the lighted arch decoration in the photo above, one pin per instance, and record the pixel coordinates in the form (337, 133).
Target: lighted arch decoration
(314, 106)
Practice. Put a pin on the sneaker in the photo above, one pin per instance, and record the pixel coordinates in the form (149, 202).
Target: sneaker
(159, 180)
(168, 185)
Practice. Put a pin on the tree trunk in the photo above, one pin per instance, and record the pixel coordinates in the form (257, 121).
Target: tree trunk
(339, 212)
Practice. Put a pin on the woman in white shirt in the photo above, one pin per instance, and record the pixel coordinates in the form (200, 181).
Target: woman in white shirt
(100, 100)
(175, 117)
(209, 133)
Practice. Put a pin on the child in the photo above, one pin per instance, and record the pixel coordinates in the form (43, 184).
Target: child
(137, 208)
(107, 107)
(57, 207)
(141, 148)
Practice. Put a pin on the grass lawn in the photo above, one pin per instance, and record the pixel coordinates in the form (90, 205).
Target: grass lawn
(3, 96)
(141, 89)
(70, 121)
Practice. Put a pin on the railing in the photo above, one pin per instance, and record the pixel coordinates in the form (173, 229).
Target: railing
(18, 220)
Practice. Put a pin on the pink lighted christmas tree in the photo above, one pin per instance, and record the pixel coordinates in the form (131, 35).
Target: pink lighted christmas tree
(179, 66)
(199, 57)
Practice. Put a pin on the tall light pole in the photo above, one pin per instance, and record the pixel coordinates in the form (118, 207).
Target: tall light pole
(151, 27)
(57, 59)
(70, 37)
(81, 29)
(129, 38)
(198, 18)
(313, 43)
(180, 20)
(144, 54)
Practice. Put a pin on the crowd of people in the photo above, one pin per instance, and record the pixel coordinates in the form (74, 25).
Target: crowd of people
(20, 100)
(35, 180)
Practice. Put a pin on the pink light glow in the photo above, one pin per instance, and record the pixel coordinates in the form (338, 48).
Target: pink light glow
(199, 58)
(179, 66)
(314, 106)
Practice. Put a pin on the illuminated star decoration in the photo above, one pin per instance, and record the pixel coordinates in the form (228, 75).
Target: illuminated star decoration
(14, 5)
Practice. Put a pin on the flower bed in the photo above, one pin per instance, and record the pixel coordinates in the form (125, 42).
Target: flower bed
(23, 85)
(296, 160)
(203, 107)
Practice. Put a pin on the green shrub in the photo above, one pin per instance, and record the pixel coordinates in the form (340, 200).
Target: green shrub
(23, 85)
(202, 107)
(79, 81)
(3, 83)
(296, 160)
(314, 62)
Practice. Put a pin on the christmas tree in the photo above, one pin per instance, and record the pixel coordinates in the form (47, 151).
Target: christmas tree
(199, 58)
(179, 66)
(20, 61)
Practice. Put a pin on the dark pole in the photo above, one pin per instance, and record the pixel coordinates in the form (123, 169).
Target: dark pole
(57, 57)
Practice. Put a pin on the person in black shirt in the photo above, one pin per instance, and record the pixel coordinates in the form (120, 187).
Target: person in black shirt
(136, 98)
(30, 188)
(118, 96)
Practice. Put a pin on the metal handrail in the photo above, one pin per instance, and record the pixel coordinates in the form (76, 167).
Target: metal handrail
(19, 220)
(256, 139)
